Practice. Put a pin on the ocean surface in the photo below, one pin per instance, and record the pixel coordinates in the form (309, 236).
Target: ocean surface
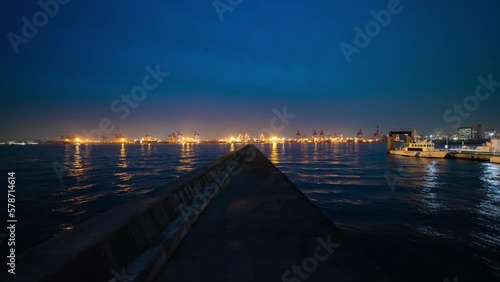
(418, 219)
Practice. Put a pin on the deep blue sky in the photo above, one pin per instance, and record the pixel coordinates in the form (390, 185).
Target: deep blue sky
(227, 76)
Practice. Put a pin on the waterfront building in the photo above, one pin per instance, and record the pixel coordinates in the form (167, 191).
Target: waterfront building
(465, 133)
(490, 133)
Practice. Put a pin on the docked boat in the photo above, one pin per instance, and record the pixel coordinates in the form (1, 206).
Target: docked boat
(422, 149)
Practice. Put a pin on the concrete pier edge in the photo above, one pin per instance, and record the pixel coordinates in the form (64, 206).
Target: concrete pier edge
(133, 239)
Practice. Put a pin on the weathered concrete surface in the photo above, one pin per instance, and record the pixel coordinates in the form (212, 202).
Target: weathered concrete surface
(258, 228)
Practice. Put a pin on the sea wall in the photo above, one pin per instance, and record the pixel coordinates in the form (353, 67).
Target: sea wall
(473, 157)
(134, 239)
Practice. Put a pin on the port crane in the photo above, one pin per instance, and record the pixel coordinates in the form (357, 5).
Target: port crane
(360, 134)
(315, 134)
(376, 135)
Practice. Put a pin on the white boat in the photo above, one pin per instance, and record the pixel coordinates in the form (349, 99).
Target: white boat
(495, 159)
(422, 149)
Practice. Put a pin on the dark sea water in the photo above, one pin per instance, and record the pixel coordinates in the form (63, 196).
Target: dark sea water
(418, 219)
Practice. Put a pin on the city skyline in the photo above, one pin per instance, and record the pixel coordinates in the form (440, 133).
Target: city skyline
(485, 133)
(192, 69)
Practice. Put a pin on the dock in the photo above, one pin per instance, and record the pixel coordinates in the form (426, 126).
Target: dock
(472, 157)
(495, 159)
(238, 218)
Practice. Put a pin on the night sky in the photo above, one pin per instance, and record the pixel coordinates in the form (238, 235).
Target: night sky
(228, 75)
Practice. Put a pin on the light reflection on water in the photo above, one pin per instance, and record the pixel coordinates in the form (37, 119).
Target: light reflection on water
(95, 178)
(122, 175)
(445, 209)
(440, 207)
(431, 183)
(186, 157)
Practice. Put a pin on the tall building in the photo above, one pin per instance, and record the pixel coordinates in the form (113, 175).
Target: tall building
(479, 132)
(465, 133)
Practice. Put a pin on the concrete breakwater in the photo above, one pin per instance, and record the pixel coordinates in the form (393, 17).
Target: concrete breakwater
(137, 237)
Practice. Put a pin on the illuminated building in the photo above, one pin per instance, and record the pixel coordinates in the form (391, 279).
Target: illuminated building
(490, 133)
(465, 133)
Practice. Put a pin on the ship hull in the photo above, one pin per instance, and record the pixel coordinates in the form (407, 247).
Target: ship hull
(495, 160)
(403, 153)
(434, 155)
